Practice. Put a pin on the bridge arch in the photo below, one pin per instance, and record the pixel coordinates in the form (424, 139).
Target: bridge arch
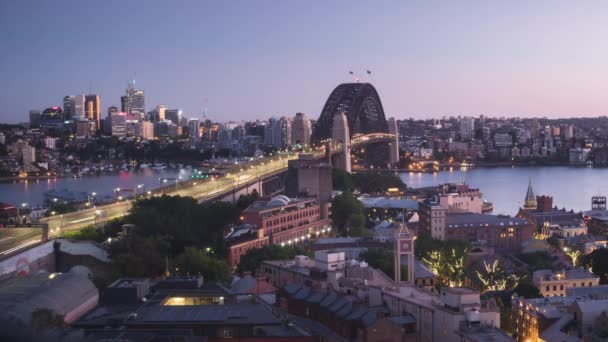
(362, 106)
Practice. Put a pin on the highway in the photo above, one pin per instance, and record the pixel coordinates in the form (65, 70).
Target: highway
(202, 190)
(14, 239)
(199, 189)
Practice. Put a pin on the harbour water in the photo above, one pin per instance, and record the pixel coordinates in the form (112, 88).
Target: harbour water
(571, 187)
(32, 192)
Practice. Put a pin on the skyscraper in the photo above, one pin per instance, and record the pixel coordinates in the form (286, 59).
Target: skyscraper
(68, 110)
(112, 110)
(93, 109)
(173, 115)
(284, 131)
(195, 138)
(269, 137)
(77, 106)
(300, 130)
(158, 114)
(118, 123)
(134, 102)
(467, 128)
(35, 118)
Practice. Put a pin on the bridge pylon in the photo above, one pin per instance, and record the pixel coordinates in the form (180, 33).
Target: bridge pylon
(394, 144)
(341, 134)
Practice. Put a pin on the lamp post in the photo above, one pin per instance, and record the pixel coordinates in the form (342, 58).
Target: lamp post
(19, 212)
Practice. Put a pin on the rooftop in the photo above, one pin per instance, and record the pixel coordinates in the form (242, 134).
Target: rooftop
(389, 203)
(463, 220)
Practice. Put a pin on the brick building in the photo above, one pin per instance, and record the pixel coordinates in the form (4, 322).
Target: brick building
(279, 220)
(498, 231)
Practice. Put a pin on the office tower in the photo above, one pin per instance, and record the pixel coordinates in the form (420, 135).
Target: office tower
(84, 128)
(93, 109)
(133, 102)
(193, 126)
(124, 100)
(158, 114)
(52, 113)
(467, 128)
(29, 154)
(173, 115)
(269, 137)
(285, 132)
(112, 110)
(147, 130)
(118, 124)
(300, 130)
(35, 118)
(77, 107)
(68, 110)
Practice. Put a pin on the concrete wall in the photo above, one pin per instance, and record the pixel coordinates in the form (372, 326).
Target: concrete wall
(30, 261)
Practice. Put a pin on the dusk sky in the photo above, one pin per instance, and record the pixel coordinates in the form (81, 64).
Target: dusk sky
(252, 59)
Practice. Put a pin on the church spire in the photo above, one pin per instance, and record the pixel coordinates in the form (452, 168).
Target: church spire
(530, 201)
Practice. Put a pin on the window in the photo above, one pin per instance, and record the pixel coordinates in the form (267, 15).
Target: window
(554, 287)
(561, 287)
(547, 288)
(227, 333)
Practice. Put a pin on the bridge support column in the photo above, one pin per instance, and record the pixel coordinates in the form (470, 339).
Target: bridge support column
(341, 134)
(394, 144)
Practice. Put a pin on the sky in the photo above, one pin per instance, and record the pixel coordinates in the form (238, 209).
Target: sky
(252, 59)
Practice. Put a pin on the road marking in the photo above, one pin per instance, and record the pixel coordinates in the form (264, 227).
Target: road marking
(29, 243)
(82, 220)
(8, 238)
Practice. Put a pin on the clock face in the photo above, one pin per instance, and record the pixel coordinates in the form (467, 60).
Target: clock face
(406, 246)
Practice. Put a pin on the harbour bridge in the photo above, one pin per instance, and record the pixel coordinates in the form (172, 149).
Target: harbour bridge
(352, 117)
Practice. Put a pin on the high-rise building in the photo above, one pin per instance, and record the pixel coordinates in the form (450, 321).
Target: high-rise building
(112, 110)
(147, 130)
(158, 114)
(195, 138)
(118, 124)
(85, 128)
(134, 102)
(35, 118)
(68, 110)
(173, 115)
(124, 103)
(77, 107)
(29, 154)
(467, 128)
(269, 136)
(300, 130)
(93, 109)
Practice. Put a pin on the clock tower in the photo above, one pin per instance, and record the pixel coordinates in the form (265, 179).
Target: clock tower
(404, 246)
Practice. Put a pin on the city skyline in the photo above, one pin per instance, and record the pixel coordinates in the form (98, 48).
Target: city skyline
(246, 61)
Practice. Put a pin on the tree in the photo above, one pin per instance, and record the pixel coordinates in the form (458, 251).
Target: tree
(198, 261)
(445, 259)
(185, 221)
(494, 278)
(252, 259)
(245, 201)
(384, 260)
(377, 182)
(348, 214)
(574, 254)
(140, 256)
(342, 180)
(597, 262)
(527, 290)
